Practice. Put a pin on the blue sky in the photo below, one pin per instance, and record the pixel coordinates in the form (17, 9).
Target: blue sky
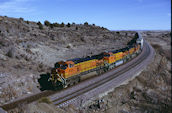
(112, 14)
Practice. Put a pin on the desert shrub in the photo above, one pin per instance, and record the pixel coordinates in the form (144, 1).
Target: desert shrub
(11, 53)
(8, 93)
(40, 25)
(27, 22)
(45, 100)
(7, 30)
(18, 66)
(73, 23)
(76, 28)
(117, 32)
(1, 19)
(62, 24)
(86, 23)
(56, 24)
(82, 39)
(51, 26)
(21, 108)
(156, 46)
(165, 53)
(68, 25)
(168, 54)
(40, 65)
(68, 46)
(93, 24)
(3, 42)
(21, 19)
(27, 58)
(103, 28)
(47, 23)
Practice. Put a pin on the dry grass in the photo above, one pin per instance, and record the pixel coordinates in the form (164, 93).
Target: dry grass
(44, 100)
(166, 52)
(156, 46)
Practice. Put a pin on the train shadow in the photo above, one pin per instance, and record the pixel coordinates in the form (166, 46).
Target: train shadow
(46, 84)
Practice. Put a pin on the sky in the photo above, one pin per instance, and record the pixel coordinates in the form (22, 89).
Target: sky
(111, 14)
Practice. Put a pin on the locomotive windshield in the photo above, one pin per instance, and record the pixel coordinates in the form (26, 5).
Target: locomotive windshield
(57, 65)
(64, 66)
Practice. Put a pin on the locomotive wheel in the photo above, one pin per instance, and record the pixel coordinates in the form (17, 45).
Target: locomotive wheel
(98, 71)
(58, 86)
(101, 71)
(106, 69)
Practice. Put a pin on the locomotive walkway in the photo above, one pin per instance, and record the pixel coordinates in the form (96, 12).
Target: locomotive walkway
(82, 92)
(85, 90)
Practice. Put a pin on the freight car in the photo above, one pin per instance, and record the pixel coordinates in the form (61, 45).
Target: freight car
(66, 73)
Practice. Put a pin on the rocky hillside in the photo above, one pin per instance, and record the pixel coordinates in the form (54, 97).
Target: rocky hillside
(28, 49)
(23, 40)
(150, 92)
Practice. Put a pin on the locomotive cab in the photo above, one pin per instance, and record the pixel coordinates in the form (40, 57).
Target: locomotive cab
(58, 74)
(109, 57)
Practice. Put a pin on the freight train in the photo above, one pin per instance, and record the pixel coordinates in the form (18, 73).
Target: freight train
(66, 73)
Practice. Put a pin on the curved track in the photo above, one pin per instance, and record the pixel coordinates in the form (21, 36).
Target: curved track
(66, 95)
(109, 76)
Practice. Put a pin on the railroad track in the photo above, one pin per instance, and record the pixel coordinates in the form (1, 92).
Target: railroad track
(66, 98)
(33, 97)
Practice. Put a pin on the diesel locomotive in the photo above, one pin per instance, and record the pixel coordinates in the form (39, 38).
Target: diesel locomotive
(69, 72)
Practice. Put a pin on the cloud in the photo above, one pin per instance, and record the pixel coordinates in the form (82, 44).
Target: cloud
(15, 6)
